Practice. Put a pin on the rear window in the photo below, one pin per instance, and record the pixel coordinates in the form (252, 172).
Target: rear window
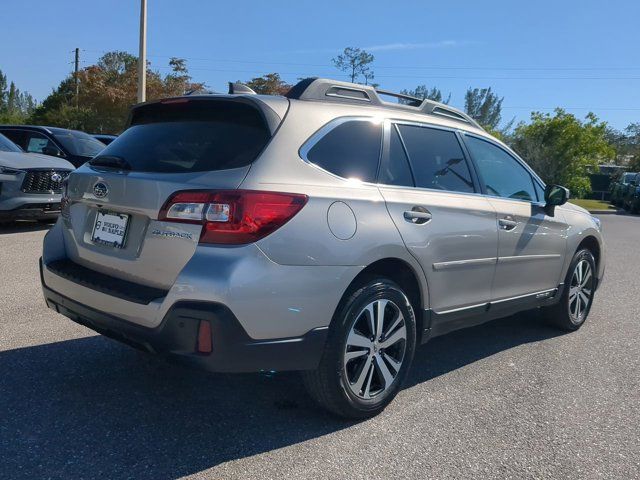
(191, 136)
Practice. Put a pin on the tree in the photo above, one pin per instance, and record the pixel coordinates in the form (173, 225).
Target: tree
(355, 62)
(484, 107)
(269, 84)
(107, 91)
(15, 106)
(422, 92)
(563, 149)
(629, 146)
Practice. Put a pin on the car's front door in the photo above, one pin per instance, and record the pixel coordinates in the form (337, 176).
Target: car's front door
(445, 223)
(531, 243)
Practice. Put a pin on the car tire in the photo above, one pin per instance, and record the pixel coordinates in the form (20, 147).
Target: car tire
(365, 361)
(573, 308)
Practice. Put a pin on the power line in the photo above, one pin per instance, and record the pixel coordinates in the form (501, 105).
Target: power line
(402, 67)
(426, 77)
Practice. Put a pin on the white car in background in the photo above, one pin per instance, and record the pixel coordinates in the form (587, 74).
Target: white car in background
(30, 184)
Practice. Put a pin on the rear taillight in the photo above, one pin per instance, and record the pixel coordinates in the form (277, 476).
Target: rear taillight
(232, 217)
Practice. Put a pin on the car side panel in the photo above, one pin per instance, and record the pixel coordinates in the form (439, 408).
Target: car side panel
(456, 248)
(531, 255)
(581, 225)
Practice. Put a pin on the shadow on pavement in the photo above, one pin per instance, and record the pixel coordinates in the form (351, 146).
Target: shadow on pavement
(93, 408)
(23, 226)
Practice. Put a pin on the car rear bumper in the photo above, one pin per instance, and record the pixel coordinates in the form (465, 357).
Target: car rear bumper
(176, 337)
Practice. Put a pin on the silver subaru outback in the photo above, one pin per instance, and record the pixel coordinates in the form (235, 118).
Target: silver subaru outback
(329, 231)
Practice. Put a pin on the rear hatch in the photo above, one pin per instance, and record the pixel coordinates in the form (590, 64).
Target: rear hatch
(112, 204)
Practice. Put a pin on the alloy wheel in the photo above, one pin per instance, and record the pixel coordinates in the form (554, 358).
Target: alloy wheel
(580, 291)
(375, 349)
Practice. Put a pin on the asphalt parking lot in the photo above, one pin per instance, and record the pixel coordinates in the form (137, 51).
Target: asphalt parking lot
(510, 399)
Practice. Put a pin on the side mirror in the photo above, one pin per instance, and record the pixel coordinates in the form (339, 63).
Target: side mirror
(53, 151)
(554, 196)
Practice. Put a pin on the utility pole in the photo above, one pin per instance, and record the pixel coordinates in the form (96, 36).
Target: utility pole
(142, 57)
(75, 76)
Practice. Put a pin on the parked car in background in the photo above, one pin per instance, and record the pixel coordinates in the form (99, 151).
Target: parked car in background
(631, 199)
(30, 184)
(104, 138)
(72, 145)
(328, 231)
(620, 188)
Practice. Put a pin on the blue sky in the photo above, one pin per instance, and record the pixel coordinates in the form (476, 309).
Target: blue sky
(580, 55)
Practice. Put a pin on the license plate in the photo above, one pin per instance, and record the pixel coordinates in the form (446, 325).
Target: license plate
(110, 229)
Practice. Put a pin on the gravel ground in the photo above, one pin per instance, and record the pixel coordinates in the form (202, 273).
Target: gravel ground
(509, 399)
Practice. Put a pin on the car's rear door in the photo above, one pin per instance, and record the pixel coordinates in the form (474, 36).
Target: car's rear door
(450, 228)
(531, 241)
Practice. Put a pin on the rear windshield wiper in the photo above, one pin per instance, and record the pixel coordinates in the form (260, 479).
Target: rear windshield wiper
(110, 161)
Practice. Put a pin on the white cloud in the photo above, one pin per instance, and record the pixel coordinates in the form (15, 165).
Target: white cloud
(415, 46)
(389, 47)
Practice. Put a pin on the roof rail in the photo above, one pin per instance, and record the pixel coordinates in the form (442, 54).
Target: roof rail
(326, 90)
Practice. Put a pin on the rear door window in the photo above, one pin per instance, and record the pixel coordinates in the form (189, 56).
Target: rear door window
(190, 136)
(436, 158)
(39, 143)
(350, 150)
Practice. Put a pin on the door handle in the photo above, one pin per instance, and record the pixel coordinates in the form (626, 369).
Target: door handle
(417, 215)
(507, 223)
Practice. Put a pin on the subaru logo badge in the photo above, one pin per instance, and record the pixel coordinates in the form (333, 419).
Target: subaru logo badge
(56, 177)
(100, 190)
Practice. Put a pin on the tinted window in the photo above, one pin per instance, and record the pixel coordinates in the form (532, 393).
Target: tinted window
(436, 159)
(350, 150)
(183, 137)
(37, 143)
(395, 169)
(16, 136)
(78, 143)
(502, 174)
(7, 145)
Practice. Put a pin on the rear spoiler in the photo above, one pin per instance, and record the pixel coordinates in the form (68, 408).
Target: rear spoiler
(272, 118)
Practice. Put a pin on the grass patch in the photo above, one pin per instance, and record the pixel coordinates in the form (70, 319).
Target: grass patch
(592, 205)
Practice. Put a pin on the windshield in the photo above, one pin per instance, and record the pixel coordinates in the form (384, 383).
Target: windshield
(7, 145)
(628, 177)
(197, 137)
(79, 143)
